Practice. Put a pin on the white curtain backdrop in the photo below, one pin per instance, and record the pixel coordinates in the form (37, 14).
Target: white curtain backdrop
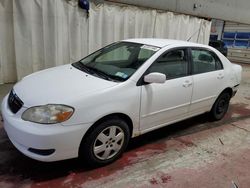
(7, 49)
(39, 34)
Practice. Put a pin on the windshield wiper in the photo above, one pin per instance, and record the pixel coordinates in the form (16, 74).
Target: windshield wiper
(117, 78)
(102, 74)
(89, 70)
(82, 67)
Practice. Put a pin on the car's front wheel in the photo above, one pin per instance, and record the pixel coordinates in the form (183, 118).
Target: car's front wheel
(220, 106)
(105, 143)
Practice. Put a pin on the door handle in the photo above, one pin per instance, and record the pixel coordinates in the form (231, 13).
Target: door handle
(220, 76)
(187, 83)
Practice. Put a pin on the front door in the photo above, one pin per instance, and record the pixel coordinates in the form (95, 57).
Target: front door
(167, 102)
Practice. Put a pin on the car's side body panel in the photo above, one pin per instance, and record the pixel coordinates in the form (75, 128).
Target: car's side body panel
(163, 103)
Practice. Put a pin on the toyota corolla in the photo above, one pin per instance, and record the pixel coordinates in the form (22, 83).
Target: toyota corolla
(91, 108)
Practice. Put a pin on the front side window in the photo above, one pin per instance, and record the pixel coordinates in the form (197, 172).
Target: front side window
(204, 61)
(173, 64)
(118, 61)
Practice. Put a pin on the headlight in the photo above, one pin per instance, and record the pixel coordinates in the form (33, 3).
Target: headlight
(48, 114)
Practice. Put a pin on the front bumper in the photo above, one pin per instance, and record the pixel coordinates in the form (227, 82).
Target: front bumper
(63, 140)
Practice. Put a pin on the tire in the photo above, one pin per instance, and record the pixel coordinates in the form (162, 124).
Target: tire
(105, 143)
(220, 106)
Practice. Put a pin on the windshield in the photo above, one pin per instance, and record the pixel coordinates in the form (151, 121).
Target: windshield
(116, 62)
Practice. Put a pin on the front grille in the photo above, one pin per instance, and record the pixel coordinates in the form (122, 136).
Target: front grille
(15, 104)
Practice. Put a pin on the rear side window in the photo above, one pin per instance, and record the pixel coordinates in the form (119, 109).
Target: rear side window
(173, 64)
(204, 61)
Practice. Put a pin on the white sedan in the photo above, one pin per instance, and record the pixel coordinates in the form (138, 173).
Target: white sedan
(92, 108)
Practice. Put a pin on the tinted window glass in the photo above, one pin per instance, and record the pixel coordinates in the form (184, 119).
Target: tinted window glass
(204, 61)
(173, 64)
(118, 54)
(117, 61)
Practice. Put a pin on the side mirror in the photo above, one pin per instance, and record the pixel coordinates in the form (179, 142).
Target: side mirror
(155, 77)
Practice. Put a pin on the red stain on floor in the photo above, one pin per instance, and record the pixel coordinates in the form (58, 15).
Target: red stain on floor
(185, 142)
(153, 181)
(129, 158)
(165, 178)
(160, 178)
(76, 179)
(234, 167)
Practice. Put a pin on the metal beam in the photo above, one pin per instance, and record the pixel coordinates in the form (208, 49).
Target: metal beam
(228, 10)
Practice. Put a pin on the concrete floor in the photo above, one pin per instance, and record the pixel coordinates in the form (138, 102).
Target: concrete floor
(193, 153)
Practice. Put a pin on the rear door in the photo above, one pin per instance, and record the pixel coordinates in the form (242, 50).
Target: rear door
(208, 79)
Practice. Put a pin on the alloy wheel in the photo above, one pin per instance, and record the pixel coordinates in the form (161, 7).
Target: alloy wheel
(108, 142)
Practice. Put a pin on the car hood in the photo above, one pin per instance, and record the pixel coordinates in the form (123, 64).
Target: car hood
(58, 85)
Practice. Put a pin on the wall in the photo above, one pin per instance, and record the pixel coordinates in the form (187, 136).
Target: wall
(239, 55)
(237, 38)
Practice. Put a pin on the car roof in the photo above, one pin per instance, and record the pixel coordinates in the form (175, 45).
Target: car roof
(163, 42)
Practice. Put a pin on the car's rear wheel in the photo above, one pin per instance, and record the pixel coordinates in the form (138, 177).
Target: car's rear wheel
(220, 106)
(105, 143)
